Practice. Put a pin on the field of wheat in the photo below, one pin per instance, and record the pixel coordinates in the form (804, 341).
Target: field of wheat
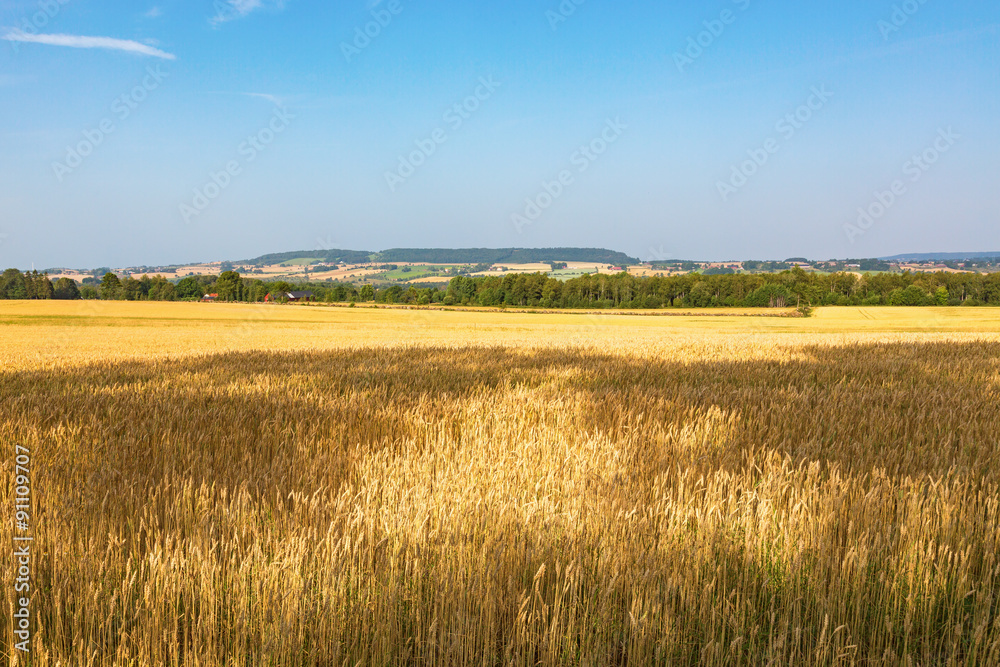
(245, 486)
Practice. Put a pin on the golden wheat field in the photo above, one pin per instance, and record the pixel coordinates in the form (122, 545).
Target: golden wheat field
(244, 485)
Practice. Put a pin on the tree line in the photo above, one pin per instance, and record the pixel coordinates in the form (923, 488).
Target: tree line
(695, 290)
(34, 285)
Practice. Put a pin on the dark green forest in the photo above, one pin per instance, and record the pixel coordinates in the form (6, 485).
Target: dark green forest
(328, 256)
(794, 288)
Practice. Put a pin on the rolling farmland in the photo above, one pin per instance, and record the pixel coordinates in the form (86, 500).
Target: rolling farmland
(246, 485)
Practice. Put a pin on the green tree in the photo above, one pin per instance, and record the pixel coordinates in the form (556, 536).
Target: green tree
(915, 296)
(41, 286)
(279, 288)
(66, 289)
(392, 295)
(491, 296)
(111, 286)
(229, 286)
(770, 296)
(131, 289)
(367, 293)
(47, 290)
(160, 289)
(12, 285)
(31, 285)
(254, 290)
(701, 295)
(189, 288)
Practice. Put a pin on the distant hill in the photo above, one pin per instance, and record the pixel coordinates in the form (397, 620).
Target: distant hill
(454, 256)
(943, 256)
(329, 256)
(506, 255)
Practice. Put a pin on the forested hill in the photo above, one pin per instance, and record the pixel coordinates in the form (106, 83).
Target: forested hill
(506, 255)
(330, 256)
(455, 256)
(942, 256)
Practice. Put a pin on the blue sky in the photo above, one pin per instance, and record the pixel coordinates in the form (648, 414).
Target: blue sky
(718, 130)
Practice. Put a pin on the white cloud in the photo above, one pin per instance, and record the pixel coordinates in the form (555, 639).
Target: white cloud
(154, 13)
(230, 10)
(273, 99)
(83, 42)
(265, 96)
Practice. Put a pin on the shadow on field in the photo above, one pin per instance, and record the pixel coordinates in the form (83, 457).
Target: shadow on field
(279, 423)
(917, 409)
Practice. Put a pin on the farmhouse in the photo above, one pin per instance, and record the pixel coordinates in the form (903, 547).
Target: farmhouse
(210, 297)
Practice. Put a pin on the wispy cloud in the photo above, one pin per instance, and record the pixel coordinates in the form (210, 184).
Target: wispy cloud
(230, 10)
(264, 96)
(154, 13)
(84, 42)
(273, 99)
